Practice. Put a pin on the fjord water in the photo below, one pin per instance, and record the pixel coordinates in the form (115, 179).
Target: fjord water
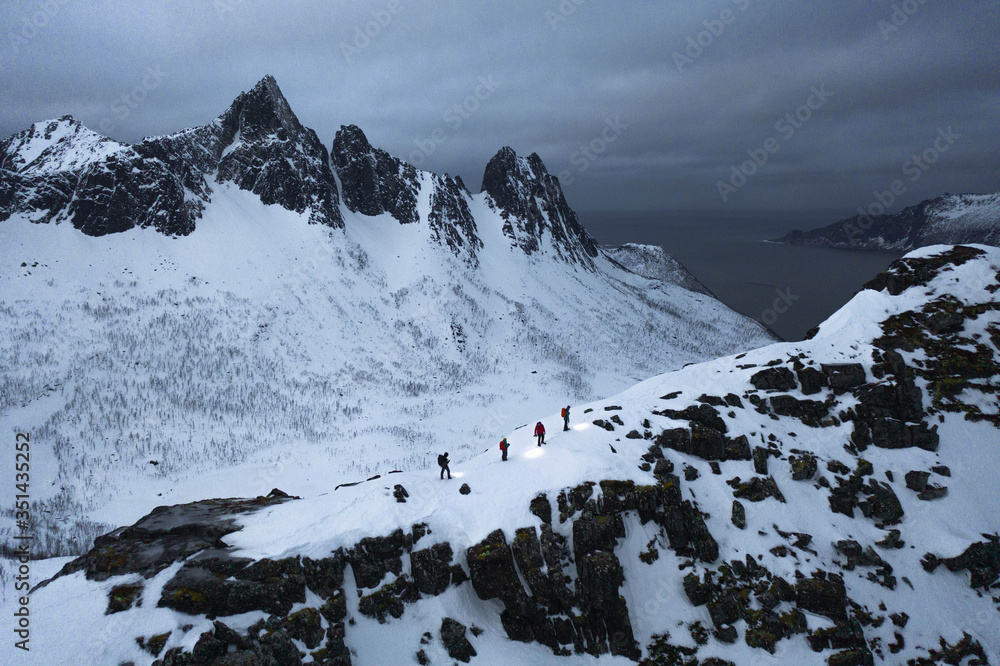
(789, 288)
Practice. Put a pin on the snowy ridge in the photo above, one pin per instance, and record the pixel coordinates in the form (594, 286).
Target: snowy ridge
(760, 508)
(949, 219)
(53, 146)
(652, 262)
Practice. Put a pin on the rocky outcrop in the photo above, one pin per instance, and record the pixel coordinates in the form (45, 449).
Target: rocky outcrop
(374, 182)
(454, 640)
(533, 207)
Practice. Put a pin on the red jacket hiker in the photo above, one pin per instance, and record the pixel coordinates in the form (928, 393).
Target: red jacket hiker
(540, 433)
(503, 447)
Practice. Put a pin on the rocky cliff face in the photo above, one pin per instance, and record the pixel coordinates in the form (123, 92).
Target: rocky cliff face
(534, 208)
(828, 501)
(375, 183)
(949, 219)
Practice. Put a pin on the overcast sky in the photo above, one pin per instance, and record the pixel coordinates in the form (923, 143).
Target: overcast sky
(636, 104)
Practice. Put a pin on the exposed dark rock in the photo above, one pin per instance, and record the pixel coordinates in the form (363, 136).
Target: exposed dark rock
(122, 597)
(533, 207)
(305, 626)
(685, 526)
(465, 489)
(933, 493)
(823, 596)
(454, 640)
(852, 657)
(758, 489)
(804, 467)
(912, 272)
(981, 560)
(325, 576)
(844, 376)
(597, 533)
(541, 507)
(698, 593)
(811, 379)
(760, 455)
(266, 585)
(373, 557)
(389, 599)
(713, 400)
(167, 535)
(881, 504)
(491, 569)
(431, 568)
(399, 492)
(739, 517)
(701, 414)
(775, 379)
(786, 405)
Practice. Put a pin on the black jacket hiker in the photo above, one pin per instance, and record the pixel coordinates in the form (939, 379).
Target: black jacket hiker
(443, 462)
(565, 415)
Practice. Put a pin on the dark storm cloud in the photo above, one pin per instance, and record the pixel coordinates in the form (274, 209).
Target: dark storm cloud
(637, 104)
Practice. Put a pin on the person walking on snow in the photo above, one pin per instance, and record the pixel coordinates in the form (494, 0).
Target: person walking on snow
(443, 462)
(503, 447)
(540, 433)
(565, 415)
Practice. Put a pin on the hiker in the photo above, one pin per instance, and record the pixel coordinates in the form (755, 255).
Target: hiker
(443, 461)
(565, 415)
(540, 433)
(503, 447)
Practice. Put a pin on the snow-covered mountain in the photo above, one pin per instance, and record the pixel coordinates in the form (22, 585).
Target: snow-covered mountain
(949, 219)
(244, 309)
(830, 501)
(652, 262)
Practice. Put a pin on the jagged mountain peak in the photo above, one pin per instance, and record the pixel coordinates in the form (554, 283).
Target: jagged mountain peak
(262, 112)
(534, 208)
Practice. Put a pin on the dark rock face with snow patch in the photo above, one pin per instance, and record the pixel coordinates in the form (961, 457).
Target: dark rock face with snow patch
(533, 206)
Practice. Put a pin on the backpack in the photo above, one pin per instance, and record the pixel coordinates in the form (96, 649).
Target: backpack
(563, 413)
(442, 461)
(504, 445)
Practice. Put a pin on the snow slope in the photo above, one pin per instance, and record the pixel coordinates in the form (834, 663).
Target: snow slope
(792, 537)
(261, 349)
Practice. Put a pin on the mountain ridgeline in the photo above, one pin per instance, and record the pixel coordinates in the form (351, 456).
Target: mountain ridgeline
(59, 171)
(949, 219)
